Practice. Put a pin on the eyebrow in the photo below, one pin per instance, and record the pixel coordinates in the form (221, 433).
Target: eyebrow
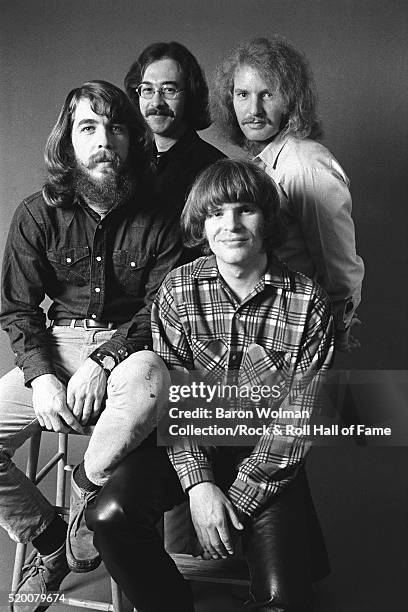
(160, 82)
(94, 121)
(265, 90)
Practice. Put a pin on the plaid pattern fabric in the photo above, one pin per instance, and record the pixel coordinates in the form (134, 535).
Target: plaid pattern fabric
(282, 333)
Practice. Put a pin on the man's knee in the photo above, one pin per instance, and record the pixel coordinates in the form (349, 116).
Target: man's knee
(110, 512)
(142, 368)
(144, 375)
(104, 514)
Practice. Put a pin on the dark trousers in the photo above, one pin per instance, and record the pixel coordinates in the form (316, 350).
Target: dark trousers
(283, 544)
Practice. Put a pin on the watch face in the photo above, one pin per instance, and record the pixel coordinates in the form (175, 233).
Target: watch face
(108, 363)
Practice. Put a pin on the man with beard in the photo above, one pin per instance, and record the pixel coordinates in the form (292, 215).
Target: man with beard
(264, 100)
(170, 93)
(96, 246)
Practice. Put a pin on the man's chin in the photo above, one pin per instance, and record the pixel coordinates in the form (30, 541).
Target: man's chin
(101, 174)
(104, 186)
(254, 147)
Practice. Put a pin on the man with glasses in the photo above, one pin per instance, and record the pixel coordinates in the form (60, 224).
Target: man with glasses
(169, 91)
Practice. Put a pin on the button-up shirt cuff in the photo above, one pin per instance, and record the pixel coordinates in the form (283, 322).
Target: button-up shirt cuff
(36, 365)
(195, 476)
(246, 498)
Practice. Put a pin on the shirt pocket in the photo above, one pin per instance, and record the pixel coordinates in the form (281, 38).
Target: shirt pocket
(71, 265)
(210, 356)
(131, 269)
(266, 366)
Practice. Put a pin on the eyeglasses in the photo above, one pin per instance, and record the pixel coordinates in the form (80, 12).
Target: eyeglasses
(168, 92)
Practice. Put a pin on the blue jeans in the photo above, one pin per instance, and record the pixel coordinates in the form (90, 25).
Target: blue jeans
(135, 389)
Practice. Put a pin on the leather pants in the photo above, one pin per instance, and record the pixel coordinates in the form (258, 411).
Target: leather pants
(283, 544)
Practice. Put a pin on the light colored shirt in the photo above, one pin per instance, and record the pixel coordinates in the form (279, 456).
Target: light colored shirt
(317, 210)
(282, 329)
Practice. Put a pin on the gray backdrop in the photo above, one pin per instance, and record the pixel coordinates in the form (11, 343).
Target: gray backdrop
(357, 49)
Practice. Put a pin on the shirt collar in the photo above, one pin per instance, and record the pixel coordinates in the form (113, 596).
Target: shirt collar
(277, 273)
(269, 155)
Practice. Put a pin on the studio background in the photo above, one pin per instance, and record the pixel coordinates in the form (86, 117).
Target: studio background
(358, 53)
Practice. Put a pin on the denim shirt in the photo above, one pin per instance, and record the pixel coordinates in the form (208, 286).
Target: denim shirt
(106, 269)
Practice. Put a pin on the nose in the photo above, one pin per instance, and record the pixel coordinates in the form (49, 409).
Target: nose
(104, 138)
(232, 220)
(157, 99)
(255, 105)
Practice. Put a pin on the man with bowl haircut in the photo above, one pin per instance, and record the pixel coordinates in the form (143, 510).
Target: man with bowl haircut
(94, 243)
(170, 93)
(264, 100)
(238, 311)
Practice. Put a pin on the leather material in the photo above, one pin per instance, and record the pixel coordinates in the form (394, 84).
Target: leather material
(85, 323)
(283, 544)
(124, 519)
(276, 544)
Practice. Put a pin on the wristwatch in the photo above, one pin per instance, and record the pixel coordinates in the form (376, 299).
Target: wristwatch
(108, 363)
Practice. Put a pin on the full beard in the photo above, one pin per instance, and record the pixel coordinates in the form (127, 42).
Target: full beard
(110, 191)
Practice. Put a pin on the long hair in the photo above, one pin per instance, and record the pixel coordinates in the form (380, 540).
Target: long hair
(279, 64)
(196, 113)
(230, 181)
(105, 99)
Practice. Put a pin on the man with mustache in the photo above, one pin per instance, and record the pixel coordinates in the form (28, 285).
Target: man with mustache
(95, 243)
(170, 93)
(264, 100)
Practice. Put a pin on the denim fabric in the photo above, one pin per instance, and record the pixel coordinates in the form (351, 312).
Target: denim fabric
(91, 268)
(128, 417)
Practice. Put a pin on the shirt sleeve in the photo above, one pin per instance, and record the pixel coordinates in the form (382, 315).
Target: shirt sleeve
(320, 199)
(24, 275)
(135, 335)
(276, 458)
(191, 462)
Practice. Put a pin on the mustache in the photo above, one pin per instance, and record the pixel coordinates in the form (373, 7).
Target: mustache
(252, 118)
(166, 112)
(104, 156)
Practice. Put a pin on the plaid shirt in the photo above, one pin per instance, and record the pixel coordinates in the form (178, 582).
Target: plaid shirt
(283, 326)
